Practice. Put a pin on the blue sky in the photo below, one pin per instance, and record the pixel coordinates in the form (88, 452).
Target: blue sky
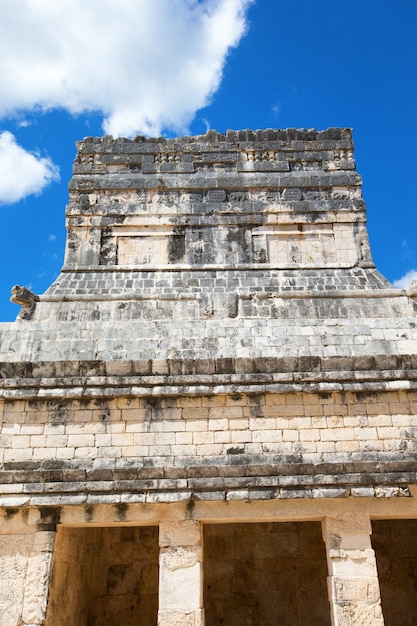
(78, 68)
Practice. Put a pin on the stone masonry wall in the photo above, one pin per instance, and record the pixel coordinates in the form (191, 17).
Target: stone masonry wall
(221, 447)
(218, 349)
(265, 231)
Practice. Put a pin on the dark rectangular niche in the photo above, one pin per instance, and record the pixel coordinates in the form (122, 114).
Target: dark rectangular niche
(104, 577)
(395, 545)
(264, 574)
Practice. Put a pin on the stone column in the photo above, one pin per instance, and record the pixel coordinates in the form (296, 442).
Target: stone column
(180, 574)
(14, 555)
(353, 585)
(35, 596)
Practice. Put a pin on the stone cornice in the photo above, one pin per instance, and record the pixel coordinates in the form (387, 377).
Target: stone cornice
(105, 379)
(238, 478)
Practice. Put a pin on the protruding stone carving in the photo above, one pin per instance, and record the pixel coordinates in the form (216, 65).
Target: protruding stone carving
(23, 296)
(27, 299)
(412, 290)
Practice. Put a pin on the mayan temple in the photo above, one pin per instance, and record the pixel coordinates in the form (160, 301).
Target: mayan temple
(209, 418)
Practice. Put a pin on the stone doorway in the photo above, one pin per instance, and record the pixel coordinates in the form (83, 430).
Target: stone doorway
(263, 574)
(395, 545)
(104, 577)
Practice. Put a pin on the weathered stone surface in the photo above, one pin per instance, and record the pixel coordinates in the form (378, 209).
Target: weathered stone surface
(37, 581)
(218, 347)
(12, 574)
(14, 557)
(182, 533)
(212, 242)
(353, 577)
(181, 618)
(180, 571)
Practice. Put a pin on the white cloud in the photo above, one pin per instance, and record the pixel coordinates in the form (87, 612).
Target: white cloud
(22, 172)
(145, 65)
(403, 283)
(206, 124)
(23, 124)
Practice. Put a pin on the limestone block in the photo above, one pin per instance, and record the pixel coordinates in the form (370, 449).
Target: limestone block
(182, 533)
(362, 615)
(352, 563)
(353, 578)
(37, 578)
(14, 553)
(12, 576)
(355, 589)
(180, 578)
(36, 589)
(345, 525)
(181, 618)
(180, 568)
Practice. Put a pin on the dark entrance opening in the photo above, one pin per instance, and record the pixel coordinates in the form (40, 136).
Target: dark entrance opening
(395, 545)
(104, 577)
(264, 574)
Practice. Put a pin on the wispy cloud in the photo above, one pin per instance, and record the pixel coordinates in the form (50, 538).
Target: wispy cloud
(22, 173)
(146, 66)
(404, 281)
(206, 124)
(23, 124)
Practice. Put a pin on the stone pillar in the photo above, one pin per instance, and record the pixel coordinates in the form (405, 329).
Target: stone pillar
(14, 555)
(35, 596)
(180, 574)
(353, 578)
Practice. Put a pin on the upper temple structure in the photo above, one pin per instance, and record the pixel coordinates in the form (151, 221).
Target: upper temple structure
(210, 416)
